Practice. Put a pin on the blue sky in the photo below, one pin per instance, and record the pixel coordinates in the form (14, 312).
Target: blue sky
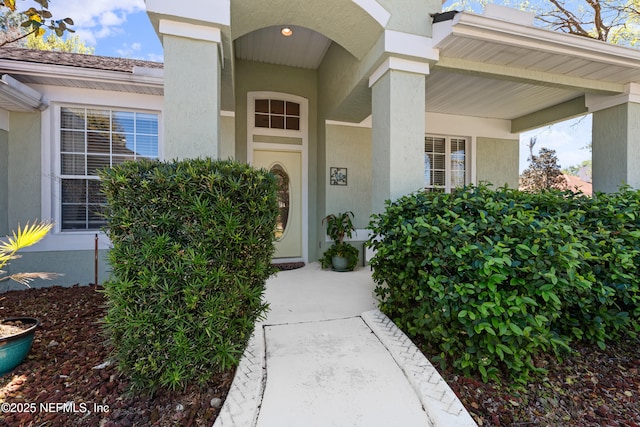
(569, 139)
(121, 28)
(114, 27)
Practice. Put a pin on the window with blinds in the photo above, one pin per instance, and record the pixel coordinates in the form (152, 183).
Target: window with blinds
(445, 163)
(91, 139)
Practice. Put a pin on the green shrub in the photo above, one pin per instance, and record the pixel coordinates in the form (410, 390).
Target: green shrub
(192, 246)
(492, 278)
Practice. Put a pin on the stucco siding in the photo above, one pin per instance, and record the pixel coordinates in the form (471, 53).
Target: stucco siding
(497, 161)
(77, 267)
(4, 182)
(405, 16)
(616, 147)
(195, 131)
(24, 169)
(227, 137)
(350, 147)
(633, 147)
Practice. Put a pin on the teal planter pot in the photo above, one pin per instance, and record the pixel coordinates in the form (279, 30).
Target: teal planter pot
(14, 348)
(340, 263)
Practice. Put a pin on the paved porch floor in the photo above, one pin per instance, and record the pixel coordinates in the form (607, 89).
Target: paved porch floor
(325, 356)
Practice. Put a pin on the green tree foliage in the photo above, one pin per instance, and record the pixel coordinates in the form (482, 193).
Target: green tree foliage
(583, 169)
(543, 172)
(36, 21)
(53, 42)
(614, 21)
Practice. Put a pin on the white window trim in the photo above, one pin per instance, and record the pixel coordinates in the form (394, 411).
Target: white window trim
(58, 240)
(470, 151)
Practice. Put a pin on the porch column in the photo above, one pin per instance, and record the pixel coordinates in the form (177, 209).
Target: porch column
(616, 147)
(192, 69)
(398, 115)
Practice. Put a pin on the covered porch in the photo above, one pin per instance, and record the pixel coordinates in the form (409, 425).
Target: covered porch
(393, 97)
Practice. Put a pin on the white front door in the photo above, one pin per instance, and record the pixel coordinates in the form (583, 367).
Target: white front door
(287, 167)
(277, 138)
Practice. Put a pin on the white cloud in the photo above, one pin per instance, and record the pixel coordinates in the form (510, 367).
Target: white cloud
(95, 19)
(130, 50)
(154, 57)
(111, 19)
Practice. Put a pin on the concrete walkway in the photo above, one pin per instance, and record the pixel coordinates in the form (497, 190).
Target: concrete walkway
(325, 356)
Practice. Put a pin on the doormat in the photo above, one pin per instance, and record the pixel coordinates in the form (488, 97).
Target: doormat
(288, 265)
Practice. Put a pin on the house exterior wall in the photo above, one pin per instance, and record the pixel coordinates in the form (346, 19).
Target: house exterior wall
(4, 182)
(77, 267)
(616, 147)
(404, 13)
(350, 147)
(497, 161)
(24, 169)
(194, 131)
(253, 76)
(31, 182)
(398, 120)
(227, 136)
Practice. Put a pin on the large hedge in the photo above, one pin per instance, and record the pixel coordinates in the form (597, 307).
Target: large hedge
(192, 246)
(491, 278)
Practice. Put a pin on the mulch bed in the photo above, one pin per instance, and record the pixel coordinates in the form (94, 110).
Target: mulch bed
(591, 387)
(64, 380)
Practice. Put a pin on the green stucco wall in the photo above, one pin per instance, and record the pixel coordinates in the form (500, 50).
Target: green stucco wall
(191, 78)
(77, 267)
(24, 169)
(616, 147)
(350, 147)
(397, 136)
(497, 161)
(4, 182)
(254, 76)
(340, 20)
(408, 16)
(227, 137)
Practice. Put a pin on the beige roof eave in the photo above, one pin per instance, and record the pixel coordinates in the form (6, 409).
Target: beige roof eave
(528, 38)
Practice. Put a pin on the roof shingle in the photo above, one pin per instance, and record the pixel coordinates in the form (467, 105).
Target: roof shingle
(79, 60)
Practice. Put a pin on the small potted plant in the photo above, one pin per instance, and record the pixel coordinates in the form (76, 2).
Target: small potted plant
(340, 256)
(16, 334)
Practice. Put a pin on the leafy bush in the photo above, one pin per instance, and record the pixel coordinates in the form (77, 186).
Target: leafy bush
(492, 278)
(192, 246)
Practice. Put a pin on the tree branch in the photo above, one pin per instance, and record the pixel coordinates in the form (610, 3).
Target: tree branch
(6, 42)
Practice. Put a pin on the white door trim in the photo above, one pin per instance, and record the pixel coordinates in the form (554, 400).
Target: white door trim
(303, 134)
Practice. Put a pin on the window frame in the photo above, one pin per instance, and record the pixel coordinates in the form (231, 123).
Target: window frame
(468, 150)
(56, 160)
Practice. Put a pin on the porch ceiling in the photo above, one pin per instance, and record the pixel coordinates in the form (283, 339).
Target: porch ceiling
(469, 95)
(491, 67)
(486, 40)
(305, 48)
